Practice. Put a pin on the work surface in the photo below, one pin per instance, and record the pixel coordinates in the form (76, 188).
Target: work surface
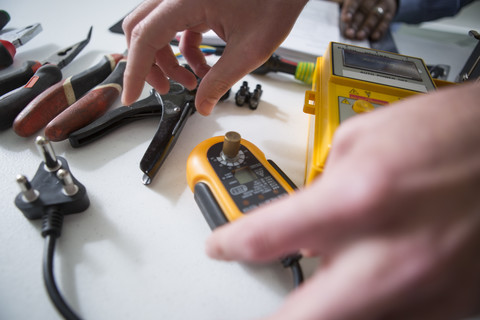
(138, 251)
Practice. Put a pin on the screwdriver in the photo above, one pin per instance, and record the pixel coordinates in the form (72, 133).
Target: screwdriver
(46, 106)
(302, 71)
(10, 41)
(45, 76)
(90, 107)
(4, 18)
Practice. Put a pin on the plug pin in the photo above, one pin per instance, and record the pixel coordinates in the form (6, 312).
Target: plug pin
(28, 193)
(46, 149)
(69, 187)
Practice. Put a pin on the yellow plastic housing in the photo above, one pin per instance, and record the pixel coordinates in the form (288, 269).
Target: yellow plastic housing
(322, 102)
(199, 169)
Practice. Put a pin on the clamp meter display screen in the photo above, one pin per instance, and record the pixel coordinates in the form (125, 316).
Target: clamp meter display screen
(245, 178)
(378, 67)
(385, 65)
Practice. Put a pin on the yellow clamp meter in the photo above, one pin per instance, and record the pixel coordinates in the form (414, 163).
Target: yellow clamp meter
(349, 80)
(230, 176)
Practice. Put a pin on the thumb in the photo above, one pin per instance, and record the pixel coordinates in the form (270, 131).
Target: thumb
(309, 219)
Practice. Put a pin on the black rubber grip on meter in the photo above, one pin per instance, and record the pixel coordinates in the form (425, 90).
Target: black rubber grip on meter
(209, 206)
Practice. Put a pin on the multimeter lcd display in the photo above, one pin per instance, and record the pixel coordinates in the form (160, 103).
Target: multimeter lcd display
(380, 64)
(244, 175)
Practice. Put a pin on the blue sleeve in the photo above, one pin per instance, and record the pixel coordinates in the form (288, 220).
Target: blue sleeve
(416, 11)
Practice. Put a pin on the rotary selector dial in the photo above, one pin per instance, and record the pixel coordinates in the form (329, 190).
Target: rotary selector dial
(231, 154)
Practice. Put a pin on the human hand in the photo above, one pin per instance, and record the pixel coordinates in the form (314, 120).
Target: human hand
(367, 19)
(251, 29)
(395, 217)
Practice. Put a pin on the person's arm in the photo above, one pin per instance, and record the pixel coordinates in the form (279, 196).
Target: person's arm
(251, 29)
(395, 217)
(414, 11)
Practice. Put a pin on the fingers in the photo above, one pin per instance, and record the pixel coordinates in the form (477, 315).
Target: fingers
(349, 8)
(236, 61)
(367, 19)
(147, 47)
(189, 47)
(317, 219)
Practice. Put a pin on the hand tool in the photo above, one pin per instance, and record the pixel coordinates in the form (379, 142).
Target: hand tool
(471, 69)
(46, 106)
(44, 76)
(19, 77)
(88, 108)
(302, 71)
(174, 108)
(10, 41)
(4, 18)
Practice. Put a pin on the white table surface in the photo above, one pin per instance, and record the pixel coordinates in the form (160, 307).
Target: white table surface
(138, 251)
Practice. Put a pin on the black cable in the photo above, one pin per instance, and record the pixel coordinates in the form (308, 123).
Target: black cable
(297, 274)
(293, 262)
(52, 225)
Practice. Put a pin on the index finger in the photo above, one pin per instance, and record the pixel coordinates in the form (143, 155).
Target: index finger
(144, 42)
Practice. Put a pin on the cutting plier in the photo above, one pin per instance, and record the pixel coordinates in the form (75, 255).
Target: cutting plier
(35, 77)
(10, 41)
(59, 97)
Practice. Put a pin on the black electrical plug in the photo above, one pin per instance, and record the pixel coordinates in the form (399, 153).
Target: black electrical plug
(52, 194)
(53, 188)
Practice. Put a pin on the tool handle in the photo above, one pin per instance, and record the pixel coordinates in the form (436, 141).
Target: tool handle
(7, 52)
(17, 78)
(146, 108)
(90, 107)
(164, 140)
(100, 127)
(4, 18)
(57, 98)
(12, 104)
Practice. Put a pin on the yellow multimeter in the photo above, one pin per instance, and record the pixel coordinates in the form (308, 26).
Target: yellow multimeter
(350, 80)
(230, 176)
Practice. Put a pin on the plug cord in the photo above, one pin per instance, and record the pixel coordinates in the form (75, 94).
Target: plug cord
(51, 230)
(293, 262)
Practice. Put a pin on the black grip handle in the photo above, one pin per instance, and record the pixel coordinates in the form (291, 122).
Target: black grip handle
(12, 104)
(4, 18)
(17, 78)
(100, 127)
(6, 57)
(145, 108)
